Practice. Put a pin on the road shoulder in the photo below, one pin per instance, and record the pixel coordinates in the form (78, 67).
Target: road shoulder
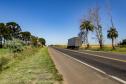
(77, 73)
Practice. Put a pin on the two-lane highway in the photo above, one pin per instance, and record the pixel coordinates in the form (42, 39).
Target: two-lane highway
(111, 64)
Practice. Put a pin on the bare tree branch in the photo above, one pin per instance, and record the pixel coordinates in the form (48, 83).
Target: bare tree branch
(96, 20)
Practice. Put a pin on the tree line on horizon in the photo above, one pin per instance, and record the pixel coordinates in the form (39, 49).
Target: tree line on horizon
(12, 31)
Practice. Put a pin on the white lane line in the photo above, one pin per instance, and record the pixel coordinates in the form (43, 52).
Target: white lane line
(118, 79)
(98, 56)
(99, 70)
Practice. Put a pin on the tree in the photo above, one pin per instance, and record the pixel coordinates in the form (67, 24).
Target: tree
(34, 40)
(2, 30)
(14, 29)
(122, 43)
(109, 12)
(25, 36)
(82, 36)
(42, 41)
(112, 34)
(7, 34)
(95, 19)
(87, 26)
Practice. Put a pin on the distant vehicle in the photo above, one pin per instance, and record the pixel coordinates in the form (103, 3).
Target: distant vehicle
(74, 43)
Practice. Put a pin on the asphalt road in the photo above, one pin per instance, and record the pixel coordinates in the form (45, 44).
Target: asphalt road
(75, 72)
(111, 64)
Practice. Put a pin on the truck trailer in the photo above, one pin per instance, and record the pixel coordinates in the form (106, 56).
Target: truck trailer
(74, 43)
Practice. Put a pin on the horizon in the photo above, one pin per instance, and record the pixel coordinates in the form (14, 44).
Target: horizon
(59, 20)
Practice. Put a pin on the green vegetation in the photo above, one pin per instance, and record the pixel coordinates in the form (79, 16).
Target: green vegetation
(11, 31)
(122, 43)
(22, 58)
(31, 66)
(119, 50)
(91, 22)
(106, 48)
(112, 34)
(42, 41)
(3, 52)
(93, 16)
(86, 26)
(60, 46)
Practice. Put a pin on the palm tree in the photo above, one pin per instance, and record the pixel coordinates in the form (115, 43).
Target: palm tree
(87, 26)
(2, 30)
(112, 34)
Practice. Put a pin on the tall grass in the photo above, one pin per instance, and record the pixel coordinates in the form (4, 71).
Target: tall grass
(7, 58)
(32, 66)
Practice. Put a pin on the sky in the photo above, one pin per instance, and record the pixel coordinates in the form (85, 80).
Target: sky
(59, 20)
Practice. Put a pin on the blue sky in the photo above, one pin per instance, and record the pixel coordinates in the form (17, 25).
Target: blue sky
(59, 20)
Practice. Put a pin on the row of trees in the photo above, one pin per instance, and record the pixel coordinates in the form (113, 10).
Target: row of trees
(11, 30)
(122, 43)
(93, 23)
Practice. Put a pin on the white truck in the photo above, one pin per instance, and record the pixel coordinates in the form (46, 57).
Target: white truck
(74, 43)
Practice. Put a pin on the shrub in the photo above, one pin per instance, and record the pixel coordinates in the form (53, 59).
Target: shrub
(15, 45)
(3, 61)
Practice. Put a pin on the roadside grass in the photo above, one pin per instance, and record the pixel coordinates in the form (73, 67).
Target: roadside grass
(33, 66)
(119, 50)
(61, 46)
(106, 48)
(3, 51)
(8, 59)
